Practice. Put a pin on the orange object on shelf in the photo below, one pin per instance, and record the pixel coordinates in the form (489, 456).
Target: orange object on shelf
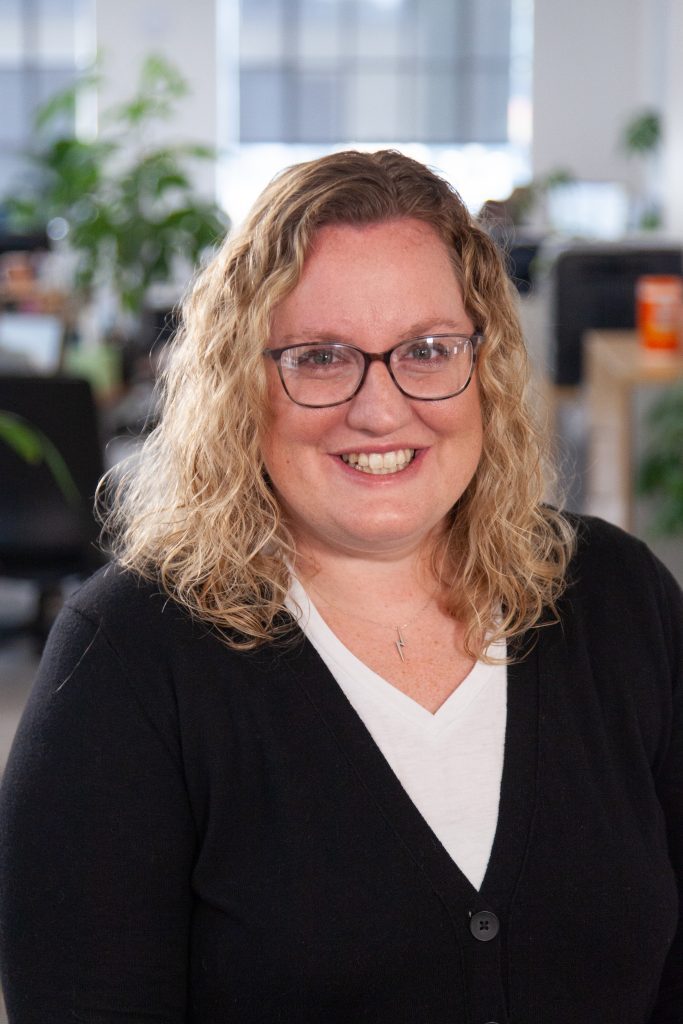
(659, 311)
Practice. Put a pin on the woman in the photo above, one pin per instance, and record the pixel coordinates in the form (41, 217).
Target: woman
(356, 727)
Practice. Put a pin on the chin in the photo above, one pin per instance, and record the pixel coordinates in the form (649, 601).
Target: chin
(383, 538)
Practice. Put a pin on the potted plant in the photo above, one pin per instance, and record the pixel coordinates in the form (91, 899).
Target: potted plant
(125, 207)
(661, 469)
(641, 139)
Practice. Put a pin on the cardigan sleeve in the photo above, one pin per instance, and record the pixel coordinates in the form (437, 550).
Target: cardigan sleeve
(669, 781)
(96, 846)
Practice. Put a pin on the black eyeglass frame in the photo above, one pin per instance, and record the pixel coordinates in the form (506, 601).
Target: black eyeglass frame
(475, 341)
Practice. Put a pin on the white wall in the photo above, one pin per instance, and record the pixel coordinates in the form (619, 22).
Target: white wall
(673, 119)
(597, 63)
(184, 31)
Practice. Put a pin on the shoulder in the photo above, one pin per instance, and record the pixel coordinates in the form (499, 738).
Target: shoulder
(598, 538)
(607, 553)
(119, 598)
(119, 625)
(134, 613)
(152, 636)
(617, 588)
(122, 652)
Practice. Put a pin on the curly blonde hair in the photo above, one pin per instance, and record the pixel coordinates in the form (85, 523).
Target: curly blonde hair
(194, 509)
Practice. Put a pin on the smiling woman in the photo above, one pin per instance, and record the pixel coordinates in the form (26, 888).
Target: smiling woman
(502, 553)
(354, 719)
(370, 285)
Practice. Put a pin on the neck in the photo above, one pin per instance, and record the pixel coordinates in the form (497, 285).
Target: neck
(389, 612)
(355, 583)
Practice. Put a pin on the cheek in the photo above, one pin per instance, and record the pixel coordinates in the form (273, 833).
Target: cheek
(276, 449)
(459, 422)
(281, 429)
(472, 412)
(294, 440)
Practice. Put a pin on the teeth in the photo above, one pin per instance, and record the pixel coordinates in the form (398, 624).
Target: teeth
(380, 463)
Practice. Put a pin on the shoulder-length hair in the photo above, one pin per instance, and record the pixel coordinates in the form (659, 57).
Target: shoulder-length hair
(194, 509)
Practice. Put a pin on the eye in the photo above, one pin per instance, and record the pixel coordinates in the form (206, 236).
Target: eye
(317, 359)
(320, 357)
(425, 351)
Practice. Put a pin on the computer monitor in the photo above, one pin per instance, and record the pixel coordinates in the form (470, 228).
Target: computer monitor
(589, 209)
(30, 343)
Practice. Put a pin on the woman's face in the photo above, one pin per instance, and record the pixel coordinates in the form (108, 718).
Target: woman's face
(372, 287)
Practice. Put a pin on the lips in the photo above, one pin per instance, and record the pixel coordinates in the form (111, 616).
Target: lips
(380, 463)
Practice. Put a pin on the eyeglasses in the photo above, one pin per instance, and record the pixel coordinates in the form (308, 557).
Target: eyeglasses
(325, 373)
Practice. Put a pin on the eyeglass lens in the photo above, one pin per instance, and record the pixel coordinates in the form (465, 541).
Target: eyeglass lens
(326, 373)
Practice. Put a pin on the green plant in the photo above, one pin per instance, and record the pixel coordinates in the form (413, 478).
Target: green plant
(34, 447)
(641, 138)
(661, 470)
(643, 133)
(126, 208)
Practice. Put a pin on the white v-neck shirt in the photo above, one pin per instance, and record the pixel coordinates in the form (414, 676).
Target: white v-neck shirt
(450, 763)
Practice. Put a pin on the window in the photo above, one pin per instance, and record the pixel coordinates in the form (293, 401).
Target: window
(42, 45)
(380, 71)
(447, 81)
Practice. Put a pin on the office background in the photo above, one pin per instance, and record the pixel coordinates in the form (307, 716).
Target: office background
(585, 68)
(495, 93)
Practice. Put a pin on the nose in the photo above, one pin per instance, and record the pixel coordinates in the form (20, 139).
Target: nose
(379, 407)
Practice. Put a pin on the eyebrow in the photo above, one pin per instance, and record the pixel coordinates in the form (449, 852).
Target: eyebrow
(434, 326)
(421, 329)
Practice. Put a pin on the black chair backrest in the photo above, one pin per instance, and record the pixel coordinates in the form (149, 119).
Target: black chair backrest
(46, 518)
(595, 287)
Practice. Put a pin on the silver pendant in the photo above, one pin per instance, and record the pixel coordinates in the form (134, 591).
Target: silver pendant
(400, 644)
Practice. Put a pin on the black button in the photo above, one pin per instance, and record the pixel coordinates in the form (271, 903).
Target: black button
(484, 925)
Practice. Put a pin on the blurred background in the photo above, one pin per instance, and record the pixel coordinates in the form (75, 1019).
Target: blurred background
(135, 133)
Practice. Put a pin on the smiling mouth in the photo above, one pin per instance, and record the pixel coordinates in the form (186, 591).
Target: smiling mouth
(380, 463)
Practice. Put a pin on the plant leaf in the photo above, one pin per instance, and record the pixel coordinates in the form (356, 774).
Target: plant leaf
(643, 133)
(34, 447)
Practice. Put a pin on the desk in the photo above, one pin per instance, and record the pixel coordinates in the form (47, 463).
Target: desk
(622, 380)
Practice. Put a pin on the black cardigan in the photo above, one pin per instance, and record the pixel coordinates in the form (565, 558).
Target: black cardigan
(195, 835)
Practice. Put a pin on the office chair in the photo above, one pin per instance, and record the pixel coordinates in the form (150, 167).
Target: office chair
(47, 528)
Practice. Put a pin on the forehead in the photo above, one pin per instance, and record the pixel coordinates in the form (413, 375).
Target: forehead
(368, 252)
(339, 241)
(384, 277)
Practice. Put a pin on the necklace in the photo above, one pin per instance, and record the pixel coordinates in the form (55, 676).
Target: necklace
(400, 641)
